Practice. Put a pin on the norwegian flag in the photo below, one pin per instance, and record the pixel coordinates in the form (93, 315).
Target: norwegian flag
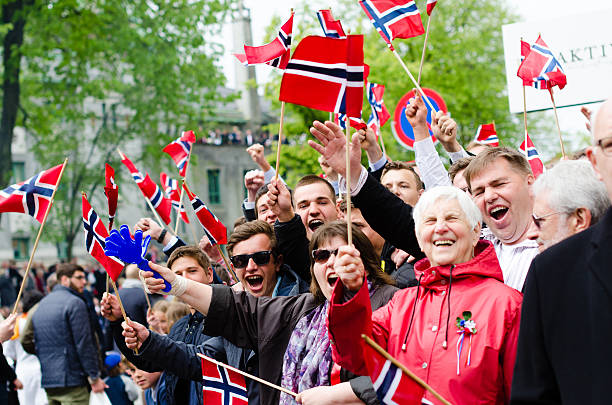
(150, 190)
(379, 115)
(171, 190)
(222, 386)
(486, 135)
(394, 18)
(326, 74)
(430, 6)
(111, 190)
(32, 196)
(537, 166)
(392, 386)
(276, 53)
(214, 229)
(180, 149)
(95, 233)
(357, 123)
(540, 68)
(331, 28)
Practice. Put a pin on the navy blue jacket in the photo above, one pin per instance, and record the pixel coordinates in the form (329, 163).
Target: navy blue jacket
(64, 340)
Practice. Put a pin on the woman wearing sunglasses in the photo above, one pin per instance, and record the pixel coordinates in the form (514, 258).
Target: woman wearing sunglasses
(458, 329)
(289, 333)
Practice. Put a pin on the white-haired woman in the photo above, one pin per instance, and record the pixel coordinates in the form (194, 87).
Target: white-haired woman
(458, 328)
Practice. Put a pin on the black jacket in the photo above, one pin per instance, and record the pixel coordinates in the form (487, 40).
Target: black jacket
(293, 245)
(564, 348)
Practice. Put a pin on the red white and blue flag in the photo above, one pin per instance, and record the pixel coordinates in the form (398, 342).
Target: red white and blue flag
(32, 196)
(379, 115)
(111, 190)
(95, 234)
(486, 135)
(150, 190)
(394, 18)
(537, 166)
(357, 123)
(331, 28)
(171, 190)
(539, 68)
(214, 229)
(430, 6)
(275, 53)
(392, 386)
(222, 386)
(180, 149)
(326, 74)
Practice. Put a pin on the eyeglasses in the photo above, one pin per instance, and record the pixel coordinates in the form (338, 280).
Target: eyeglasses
(323, 255)
(606, 145)
(260, 258)
(538, 220)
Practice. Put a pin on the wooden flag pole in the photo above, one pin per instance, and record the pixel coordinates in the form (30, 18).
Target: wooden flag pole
(399, 365)
(178, 215)
(349, 230)
(42, 225)
(419, 89)
(424, 50)
(125, 317)
(525, 116)
(252, 377)
(552, 98)
(280, 140)
(382, 142)
(228, 265)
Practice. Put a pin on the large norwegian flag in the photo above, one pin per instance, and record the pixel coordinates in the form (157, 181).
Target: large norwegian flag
(222, 386)
(179, 151)
(214, 229)
(171, 190)
(150, 190)
(540, 68)
(537, 166)
(95, 233)
(487, 135)
(392, 386)
(32, 196)
(276, 53)
(379, 115)
(326, 74)
(111, 190)
(394, 18)
(331, 28)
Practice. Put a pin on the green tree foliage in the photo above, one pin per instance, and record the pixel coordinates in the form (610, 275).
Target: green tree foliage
(464, 64)
(99, 73)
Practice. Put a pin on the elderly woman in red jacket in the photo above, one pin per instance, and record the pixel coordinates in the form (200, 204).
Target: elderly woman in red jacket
(458, 329)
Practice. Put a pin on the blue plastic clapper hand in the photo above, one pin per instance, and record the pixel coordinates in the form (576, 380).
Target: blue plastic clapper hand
(121, 245)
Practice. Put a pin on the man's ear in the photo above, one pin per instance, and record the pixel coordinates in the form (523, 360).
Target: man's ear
(279, 262)
(210, 275)
(581, 219)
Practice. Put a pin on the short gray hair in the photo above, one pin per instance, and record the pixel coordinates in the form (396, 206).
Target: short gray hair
(572, 184)
(445, 193)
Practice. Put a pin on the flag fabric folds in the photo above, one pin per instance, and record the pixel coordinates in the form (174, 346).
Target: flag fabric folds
(180, 149)
(275, 53)
(95, 233)
(171, 190)
(394, 18)
(331, 28)
(357, 123)
(214, 229)
(32, 196)
(111, 190)
(150, 190)
(379, 115)
(486, 135)
(430, 6)
(222, 386)
(540, 68)
(537, 166)
(326, 74)
(392, 386)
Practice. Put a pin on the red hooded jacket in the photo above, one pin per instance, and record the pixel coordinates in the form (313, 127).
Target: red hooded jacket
(432, 308)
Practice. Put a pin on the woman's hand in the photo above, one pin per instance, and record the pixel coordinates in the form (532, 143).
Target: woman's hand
(329, 395)
(349, 267)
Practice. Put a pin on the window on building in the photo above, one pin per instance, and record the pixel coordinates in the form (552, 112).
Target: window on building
(214, 189)
(21, 248)
(18, 172)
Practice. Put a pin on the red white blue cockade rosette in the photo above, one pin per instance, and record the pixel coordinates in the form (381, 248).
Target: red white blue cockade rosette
(467, 327)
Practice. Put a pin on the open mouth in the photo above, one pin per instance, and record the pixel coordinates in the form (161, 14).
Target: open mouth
(314, 224)
(331, 279)
(497, 213)
(445, 242)
(254, 281)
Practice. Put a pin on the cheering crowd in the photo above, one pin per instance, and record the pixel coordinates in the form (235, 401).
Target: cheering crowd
(488, 284)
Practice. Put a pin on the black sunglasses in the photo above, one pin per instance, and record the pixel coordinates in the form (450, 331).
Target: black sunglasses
(260, 258)
(323, 255)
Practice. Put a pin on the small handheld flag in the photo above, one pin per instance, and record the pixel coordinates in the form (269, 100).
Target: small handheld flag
(111, 190)
(331, 28)
(180, 149)
(171, 190)
(394, 18)
(275, 53)
(221, 385)
(486, 135)
(379, 115)
(539, 68)
(537, 166)
(215, 231)
(430, 6)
